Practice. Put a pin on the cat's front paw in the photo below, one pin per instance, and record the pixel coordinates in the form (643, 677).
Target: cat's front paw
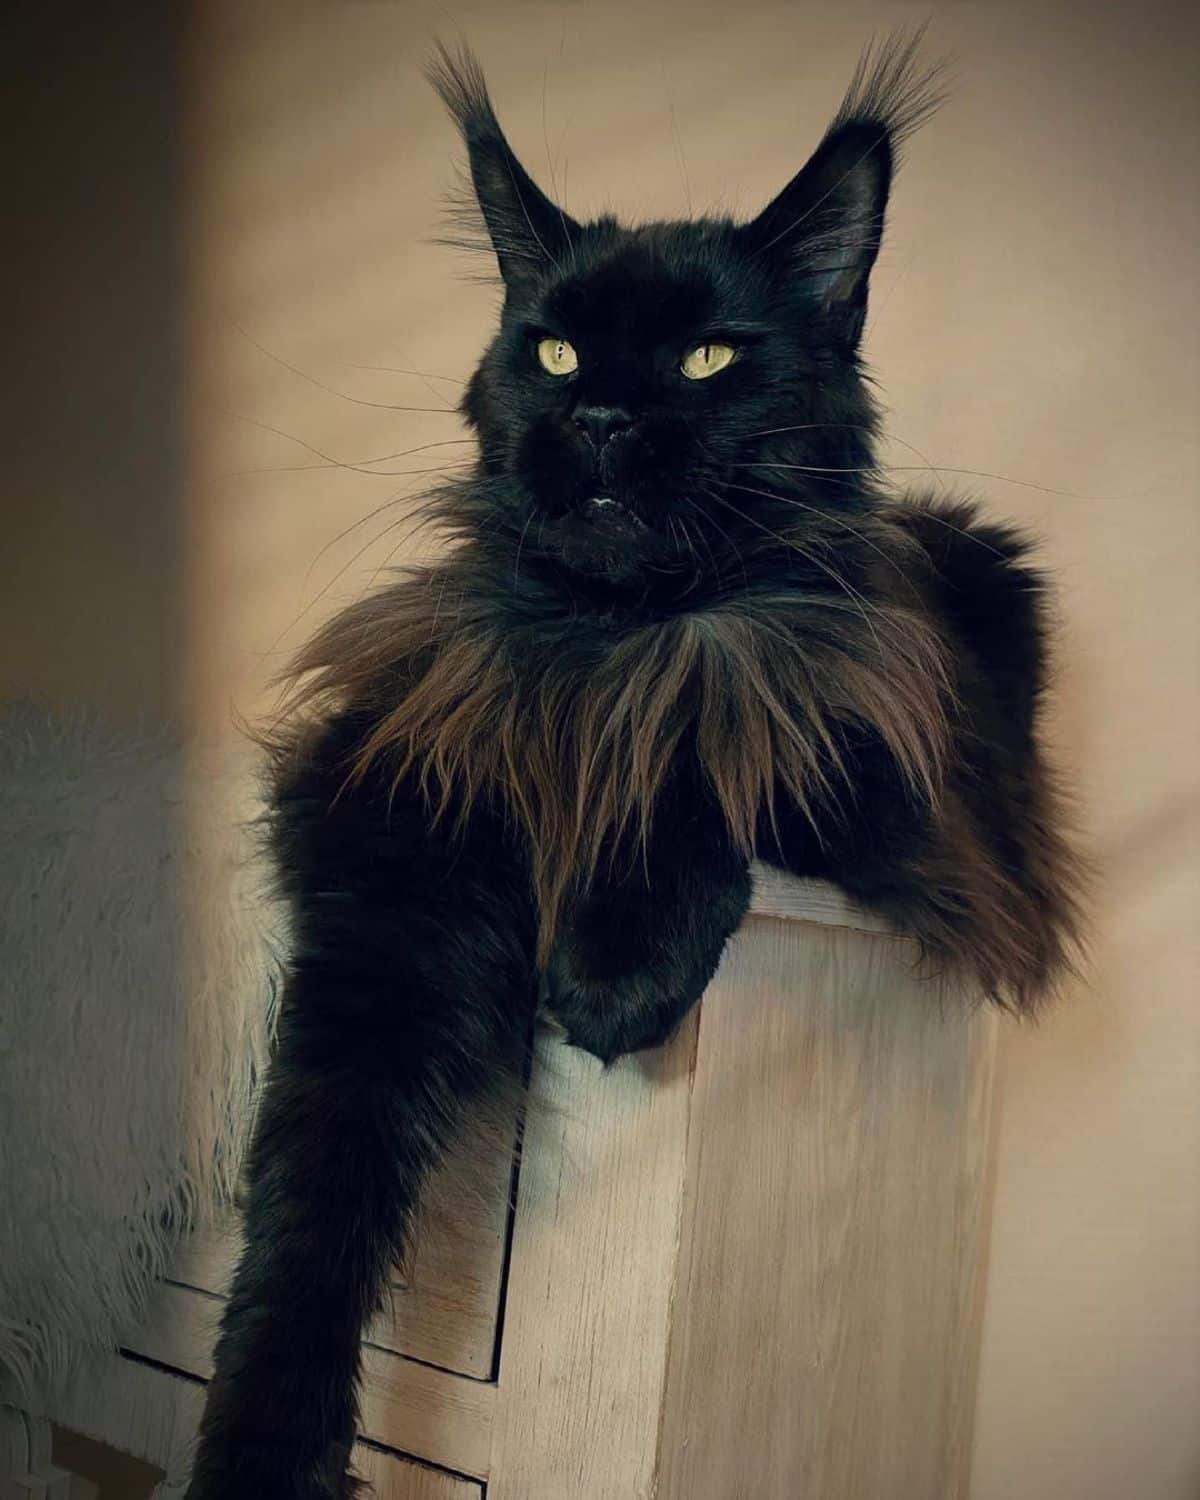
(613, 1016)
(629, 964)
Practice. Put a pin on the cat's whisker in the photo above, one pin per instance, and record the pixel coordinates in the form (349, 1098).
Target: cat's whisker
(766, 463)
(336, 463)
(403, 370)
(936, 469)
(381, 473)
(332, 390)
(725, 537)
(927, 512)
(562, 218)
(800, 505)
(810, 427)
(361, 465)
(682, 160)
(686, 532)
(863, 604)
(839, 521)
(930, 513)
(406, 537)
(428, 506)
(520, 544)
(316, 599)
(697, 569)
(940, 469)
(824, 516)
(463, 463)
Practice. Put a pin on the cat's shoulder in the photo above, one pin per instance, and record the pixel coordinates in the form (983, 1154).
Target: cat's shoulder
(988, 579)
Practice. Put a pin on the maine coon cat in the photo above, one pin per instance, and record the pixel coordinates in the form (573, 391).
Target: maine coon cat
(682, 624)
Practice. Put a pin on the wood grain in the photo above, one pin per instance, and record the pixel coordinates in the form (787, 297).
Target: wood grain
(392, 1478)
(443, 1307)
(433, 1414)
(775, 894)
(585, 1338)
(824, 1325)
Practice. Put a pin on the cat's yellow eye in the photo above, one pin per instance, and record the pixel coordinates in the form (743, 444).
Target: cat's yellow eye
(706, 359)
(557, 357)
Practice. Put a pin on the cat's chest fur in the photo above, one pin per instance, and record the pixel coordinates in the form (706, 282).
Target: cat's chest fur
(576, 725)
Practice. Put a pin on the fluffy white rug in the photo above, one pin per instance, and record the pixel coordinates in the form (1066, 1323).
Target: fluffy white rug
(138, 960)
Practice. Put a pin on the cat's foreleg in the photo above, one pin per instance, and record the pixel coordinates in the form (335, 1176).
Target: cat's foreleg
(412, 982)
(637, 950)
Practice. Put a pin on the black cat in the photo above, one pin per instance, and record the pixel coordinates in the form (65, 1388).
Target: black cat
(682, 625)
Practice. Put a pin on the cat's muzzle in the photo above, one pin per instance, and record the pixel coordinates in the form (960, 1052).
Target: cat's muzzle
(604, 511)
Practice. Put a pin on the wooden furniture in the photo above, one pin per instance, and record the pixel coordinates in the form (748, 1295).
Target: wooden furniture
(748, 1265)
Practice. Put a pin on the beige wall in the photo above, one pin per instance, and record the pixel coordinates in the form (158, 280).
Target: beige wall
(1034, 317)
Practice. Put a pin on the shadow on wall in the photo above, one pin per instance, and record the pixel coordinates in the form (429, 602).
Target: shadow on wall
(91, 603)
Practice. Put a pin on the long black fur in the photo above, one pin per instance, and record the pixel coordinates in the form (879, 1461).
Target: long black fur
(683, 624)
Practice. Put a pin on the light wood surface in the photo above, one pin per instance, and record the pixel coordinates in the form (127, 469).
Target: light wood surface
(756, 1276)
(823, 1337)
(776, 894)
(392, 1478)
(597, 1226)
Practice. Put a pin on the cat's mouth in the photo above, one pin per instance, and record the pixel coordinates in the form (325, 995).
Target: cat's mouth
(605, 512)
(603, 538)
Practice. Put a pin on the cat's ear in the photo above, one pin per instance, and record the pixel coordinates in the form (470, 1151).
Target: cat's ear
(824, 229)
(525, 229)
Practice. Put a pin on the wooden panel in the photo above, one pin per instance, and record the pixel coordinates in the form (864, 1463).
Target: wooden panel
(430, 1413)
(775, 894)
(824, 1319)
(443, 1308)
(583, 1358)
(392, 1478)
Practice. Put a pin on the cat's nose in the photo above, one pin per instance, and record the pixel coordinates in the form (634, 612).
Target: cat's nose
(599, 423)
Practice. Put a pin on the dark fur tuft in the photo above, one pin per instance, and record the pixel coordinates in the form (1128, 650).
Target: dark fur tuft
(458, 78)
(523, 227)
(892, 90)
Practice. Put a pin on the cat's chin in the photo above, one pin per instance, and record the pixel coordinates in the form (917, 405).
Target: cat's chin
(603, 540)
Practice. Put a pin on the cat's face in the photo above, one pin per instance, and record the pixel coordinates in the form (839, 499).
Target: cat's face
(628, 384)
(652, 392)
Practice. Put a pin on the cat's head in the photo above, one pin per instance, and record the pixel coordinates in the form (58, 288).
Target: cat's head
(644, 380)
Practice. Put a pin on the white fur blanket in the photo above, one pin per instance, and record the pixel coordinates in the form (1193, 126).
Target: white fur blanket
(138, 956)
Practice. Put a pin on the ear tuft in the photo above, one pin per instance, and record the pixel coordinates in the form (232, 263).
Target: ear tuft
(824, 229)
(890, 90)
(526, 230)
(459, 81)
